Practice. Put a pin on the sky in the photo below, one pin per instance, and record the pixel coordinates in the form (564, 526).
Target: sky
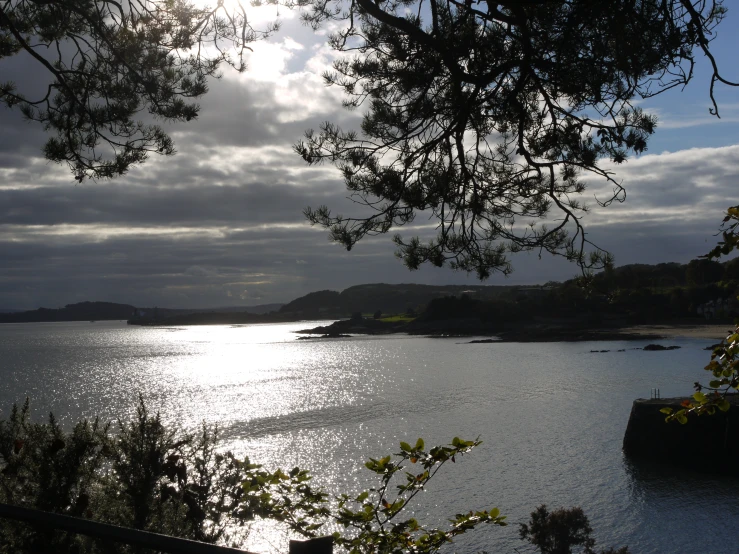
(221, 224)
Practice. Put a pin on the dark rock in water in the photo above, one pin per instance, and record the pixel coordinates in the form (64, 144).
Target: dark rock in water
(621, 350)
(659, 347)
(708, 443)
(713, 346)
(483, 341)
(599, 351)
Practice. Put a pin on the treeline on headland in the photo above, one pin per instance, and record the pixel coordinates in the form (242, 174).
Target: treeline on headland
(388, 299)
(627, 295)
(637, 293)
(630, 295)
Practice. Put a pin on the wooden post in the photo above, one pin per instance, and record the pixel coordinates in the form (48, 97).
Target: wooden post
(319, 545)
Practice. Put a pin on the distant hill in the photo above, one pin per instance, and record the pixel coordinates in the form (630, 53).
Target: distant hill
(630, 294)
(82, 311)
(261, 313)
(669, 293)
(156, 317)
(258, 309)
(315, 304)
(101, 311)
(389, 299)
(634, 293)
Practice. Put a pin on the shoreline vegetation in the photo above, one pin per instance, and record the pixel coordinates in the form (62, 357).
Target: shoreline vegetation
(633, 302)
(348, 328)
(712, 331)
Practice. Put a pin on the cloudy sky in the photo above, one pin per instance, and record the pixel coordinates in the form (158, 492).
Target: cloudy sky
(221, 223)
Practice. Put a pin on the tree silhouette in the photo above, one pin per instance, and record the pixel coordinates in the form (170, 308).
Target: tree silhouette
(108, 62)
(485, 116)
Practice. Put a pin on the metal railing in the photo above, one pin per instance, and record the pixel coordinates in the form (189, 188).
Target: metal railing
(146, 539)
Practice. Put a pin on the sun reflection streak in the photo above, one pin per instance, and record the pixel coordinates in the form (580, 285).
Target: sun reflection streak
(545, 413)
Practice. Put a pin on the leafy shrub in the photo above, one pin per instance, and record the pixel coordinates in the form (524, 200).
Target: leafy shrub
(559, 531)
(374, 521)
(150, 477)
(146, 477)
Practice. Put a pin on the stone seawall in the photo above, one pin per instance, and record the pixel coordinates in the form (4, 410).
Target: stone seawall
(705, 443)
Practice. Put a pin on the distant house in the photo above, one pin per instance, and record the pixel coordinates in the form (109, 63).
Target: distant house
(719, 308)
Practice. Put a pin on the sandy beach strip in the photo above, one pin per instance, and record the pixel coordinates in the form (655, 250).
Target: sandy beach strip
(693, 331)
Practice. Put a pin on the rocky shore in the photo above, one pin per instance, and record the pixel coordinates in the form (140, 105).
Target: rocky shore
(474, 327)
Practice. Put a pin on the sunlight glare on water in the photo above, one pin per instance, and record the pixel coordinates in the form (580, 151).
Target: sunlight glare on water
(239, 374)
(551, 416)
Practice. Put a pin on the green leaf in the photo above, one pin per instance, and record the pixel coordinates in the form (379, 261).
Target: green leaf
(495, 512)
(724, 405)
(405, 447)
(699, 397)
(419, 444)
(667, 411)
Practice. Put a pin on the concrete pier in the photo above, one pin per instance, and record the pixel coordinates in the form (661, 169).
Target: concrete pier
(705, 443)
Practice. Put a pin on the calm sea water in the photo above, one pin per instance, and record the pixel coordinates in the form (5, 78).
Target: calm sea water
(551, 415)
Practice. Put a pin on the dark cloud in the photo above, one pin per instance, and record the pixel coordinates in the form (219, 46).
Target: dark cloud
(210, 244)
(192, 269)
(195, 205)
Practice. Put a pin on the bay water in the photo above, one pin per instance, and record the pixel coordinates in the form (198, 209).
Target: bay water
(551, 416)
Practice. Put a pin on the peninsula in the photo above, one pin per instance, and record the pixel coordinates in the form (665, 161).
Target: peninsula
(633, 301)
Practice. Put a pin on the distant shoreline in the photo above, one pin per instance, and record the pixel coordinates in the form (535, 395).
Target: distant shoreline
(533, 333)
(713, 331)
(662, 331)
(344, 327)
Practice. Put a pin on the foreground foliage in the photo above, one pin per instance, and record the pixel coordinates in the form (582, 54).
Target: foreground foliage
(724, 364)
(559, 531)
(147, 476)
(374, 519)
